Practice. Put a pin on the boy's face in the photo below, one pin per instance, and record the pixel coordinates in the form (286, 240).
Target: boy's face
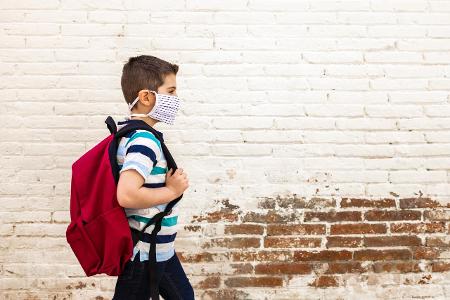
(147, 100)
(170, 85)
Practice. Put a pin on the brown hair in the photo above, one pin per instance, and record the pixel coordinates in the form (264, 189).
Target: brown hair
(144, 72)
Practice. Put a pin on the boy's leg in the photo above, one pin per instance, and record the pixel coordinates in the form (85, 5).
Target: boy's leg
(174, 284)
(129, 282)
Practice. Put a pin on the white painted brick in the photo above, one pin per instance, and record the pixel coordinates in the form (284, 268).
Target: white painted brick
(361, 17)
(396, 84)
(393, 57)
(416, 176)
(216, 31)
(277, 83)
(394, 137)
(57, 42)
(29, 4)
(31, 29)
(367, 97)
(422, 123)
(339, 5)
(54, 16)
(298, 17)
(337, 31)
(278, 5)
(156, 5)
(333, 57)
(240, 17)
(330, 110)
(305, 123)
(365, 124)
(91, 5)
(25, 217)
(91, 29)
(418, 97)
(215, 5)
(183, 43)
(338, 84)
(393, 111)
(105, 16)
(389, 31)
(183, 17)
(439, 5)
(399, 5)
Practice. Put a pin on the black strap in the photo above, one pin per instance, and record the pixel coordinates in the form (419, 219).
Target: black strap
(111, 125)
(157, 219)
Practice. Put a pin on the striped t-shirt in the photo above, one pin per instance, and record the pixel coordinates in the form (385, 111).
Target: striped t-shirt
(140, 150)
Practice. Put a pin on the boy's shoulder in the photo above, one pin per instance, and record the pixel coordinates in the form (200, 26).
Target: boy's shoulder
(143, 137)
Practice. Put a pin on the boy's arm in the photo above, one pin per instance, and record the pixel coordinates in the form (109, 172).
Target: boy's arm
(131, 193)
(142, 151)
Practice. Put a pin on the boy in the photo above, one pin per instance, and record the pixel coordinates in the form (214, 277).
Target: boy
(145, 185)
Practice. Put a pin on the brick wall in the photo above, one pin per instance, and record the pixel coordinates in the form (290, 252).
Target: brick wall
(315, 135)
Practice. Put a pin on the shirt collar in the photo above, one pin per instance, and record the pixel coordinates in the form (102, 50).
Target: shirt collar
(127, 121)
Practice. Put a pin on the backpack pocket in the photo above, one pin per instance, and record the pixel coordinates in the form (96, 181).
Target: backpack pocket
(111, 239)
(82, 246)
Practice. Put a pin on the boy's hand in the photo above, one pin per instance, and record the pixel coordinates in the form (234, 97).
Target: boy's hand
(177, 181)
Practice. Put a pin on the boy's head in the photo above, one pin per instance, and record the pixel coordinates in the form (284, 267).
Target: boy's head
(143, 74)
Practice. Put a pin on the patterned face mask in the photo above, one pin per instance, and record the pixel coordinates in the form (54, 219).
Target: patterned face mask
(165, 109)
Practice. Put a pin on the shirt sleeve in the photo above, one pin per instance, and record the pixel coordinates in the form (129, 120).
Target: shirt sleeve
(142, 151)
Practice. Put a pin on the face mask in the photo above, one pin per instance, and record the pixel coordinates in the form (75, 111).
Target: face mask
(164, 110)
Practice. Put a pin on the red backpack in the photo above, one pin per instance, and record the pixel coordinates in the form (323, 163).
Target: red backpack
(99, 233)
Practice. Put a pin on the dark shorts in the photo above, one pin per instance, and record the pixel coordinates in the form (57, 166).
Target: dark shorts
(134, 284)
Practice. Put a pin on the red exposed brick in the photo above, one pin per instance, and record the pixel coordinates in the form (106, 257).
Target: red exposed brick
(400, 254)
(254, 282)
(332, 216)
(242, 268)
(357, 228)
(244, 229)
(271, 216)
(224, 214)
(438, 241)
(324, 255)
(263, 255)
(354, 202)
(295, 229)
(345, 267)
(437, 215)
(296, 202)
(392, 215)
(418, 227)
(440, 266)
(343, 241)
(201, 257)
(420, 203)
(209, 283)
(425, 253)
(233, 243)
(283, 268)
(396, 267)
(385, 241)
(291, 242)
(231, 294)
(325, 281)
(194, 228)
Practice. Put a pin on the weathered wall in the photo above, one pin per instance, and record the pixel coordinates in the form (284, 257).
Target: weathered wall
(316, 136)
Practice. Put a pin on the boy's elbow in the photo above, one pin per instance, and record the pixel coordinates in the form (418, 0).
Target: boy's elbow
(124, 198)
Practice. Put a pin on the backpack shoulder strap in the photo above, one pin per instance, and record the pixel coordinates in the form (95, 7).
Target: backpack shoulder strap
(111, 125)
(139, 125)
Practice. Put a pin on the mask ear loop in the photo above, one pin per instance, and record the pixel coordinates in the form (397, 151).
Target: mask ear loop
(130, 106)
